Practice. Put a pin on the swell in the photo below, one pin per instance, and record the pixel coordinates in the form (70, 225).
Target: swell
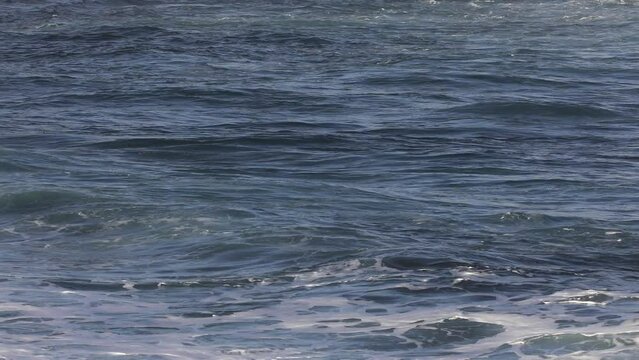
(104, 33)
(9, 167)
(531, 109)
(265, 37)
(79, 42)
(39, 200)
(251, 98)
(434, 142)
(228, 142)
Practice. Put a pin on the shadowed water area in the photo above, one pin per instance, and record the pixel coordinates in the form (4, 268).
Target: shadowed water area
(319, 179)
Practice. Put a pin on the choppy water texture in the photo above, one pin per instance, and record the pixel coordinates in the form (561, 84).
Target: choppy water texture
(319, 179)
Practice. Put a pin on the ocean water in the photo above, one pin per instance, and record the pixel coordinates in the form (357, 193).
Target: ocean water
(352, 179)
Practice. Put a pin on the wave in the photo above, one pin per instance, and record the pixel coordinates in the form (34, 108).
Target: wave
(37, 200)
(252, 98)
(210, 143)
(535, 109)
(263, 37)
(525, 218)
(420, 263)
(8, 167)
(105, 33)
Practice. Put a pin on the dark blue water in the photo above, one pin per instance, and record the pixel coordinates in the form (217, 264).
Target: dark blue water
(319, 179)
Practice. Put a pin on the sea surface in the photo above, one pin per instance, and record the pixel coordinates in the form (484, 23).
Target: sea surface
(328, 179)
